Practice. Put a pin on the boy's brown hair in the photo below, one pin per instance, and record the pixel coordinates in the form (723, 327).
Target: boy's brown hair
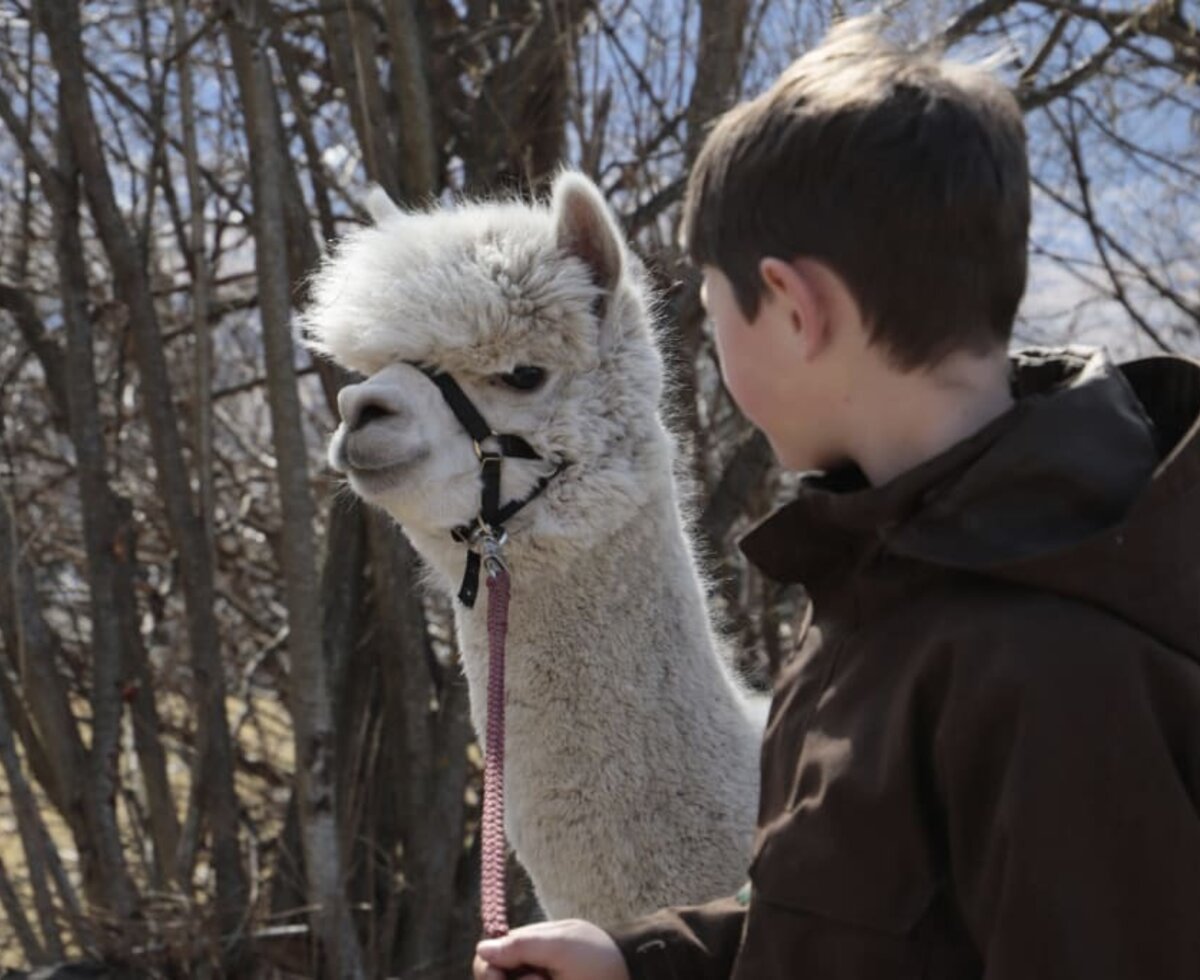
(906, 174)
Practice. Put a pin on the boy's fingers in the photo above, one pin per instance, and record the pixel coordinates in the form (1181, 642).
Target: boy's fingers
(481, 971)
(528, 950)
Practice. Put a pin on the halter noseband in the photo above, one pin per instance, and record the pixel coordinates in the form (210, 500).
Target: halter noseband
(486, 531)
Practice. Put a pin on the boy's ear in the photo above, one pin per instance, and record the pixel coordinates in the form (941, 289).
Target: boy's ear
(793, 284)
(584, 227)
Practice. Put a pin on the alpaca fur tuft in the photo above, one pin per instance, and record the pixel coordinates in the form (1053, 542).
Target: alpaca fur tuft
(632, 756)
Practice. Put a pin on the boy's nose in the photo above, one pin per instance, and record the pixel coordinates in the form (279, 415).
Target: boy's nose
(362, 403)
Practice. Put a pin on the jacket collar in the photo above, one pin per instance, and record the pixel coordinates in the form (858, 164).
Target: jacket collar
(1064, 461)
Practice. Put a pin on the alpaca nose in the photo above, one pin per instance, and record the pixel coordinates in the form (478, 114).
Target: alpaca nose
(362, 403)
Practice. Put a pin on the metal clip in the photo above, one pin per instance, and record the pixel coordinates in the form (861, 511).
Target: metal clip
(482, 454)
(490, 548)
(476, 534)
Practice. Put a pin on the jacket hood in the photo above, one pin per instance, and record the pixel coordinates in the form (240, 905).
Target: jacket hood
(1089, 488)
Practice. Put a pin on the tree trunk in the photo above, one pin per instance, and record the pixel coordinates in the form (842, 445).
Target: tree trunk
(99, 530)
(430, 730)
(11, 903)
(34, 653)
(418, 155)
(309, 689)
(518, 130)
(61, 23)
(33, 836)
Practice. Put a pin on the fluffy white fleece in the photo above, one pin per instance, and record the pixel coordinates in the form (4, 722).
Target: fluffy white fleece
(632, 756)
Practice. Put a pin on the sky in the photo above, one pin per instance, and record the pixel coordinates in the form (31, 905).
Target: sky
(1153, 210)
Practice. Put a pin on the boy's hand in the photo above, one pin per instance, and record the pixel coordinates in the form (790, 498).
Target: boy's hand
(568, 950)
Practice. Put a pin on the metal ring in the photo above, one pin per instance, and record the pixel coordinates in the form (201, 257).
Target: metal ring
(493, 559)
(481, 531)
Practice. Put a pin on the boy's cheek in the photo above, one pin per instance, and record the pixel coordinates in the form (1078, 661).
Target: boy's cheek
(745, 394)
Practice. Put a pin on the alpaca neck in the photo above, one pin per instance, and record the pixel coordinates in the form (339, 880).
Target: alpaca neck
(624, 620)
(626, 734)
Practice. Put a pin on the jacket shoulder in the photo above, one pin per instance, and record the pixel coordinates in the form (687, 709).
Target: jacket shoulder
(1053, 663)
(1009, 654)
(1034, 635)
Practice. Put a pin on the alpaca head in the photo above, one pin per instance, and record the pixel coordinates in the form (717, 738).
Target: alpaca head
(540, 315)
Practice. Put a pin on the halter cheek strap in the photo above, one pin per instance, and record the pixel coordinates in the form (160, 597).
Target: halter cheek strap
(484, 538)
(488, 526)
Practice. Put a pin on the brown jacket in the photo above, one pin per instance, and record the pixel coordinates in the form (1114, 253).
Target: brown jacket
(984, 759)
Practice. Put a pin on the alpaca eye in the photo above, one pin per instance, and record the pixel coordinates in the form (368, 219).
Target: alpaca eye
(524, 377)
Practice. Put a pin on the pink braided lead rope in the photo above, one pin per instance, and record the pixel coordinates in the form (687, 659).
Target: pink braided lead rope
(492, 890)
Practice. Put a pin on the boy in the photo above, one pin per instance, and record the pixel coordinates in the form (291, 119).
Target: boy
(984, 760)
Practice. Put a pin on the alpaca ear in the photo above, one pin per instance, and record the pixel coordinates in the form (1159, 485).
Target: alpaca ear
(585, 228)
(379, 206)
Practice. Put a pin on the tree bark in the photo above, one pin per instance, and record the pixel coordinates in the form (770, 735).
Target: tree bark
(99, 525)
(33, 837)
(375, 137)
(430, 746)
(518, 128)
(718, 66)
(418, 155)
(34, 653)
(61, 23)
(112, 511)
(22, 730)
(718, 57)
(309, 688)
(198, 264)
(21, 927)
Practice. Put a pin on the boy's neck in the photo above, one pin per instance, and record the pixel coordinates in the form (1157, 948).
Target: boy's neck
(903, 419)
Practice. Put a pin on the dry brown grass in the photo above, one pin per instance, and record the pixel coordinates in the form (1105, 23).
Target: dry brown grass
(174, 920)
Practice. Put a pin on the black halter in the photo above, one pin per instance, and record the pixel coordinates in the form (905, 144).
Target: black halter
(489, 522)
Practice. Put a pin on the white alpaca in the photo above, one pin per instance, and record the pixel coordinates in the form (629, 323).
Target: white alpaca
(632, 750)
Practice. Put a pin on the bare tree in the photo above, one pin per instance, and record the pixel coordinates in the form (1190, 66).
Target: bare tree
(309, 688)
(176, 564)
